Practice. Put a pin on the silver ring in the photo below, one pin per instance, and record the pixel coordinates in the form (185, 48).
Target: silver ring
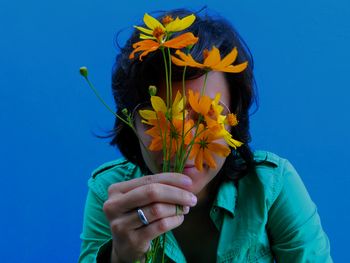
(142, 217)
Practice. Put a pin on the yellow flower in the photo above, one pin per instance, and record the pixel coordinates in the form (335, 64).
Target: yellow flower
(160, 30)
(150, 45)
(204, 147)
(159, 105)
(216, 121)
(212, 61)
(219, 128)
(228, 138)
(217, 108)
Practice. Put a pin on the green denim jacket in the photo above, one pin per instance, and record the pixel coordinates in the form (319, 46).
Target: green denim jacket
(268, 217)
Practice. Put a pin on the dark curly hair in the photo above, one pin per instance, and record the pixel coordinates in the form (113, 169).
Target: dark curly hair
(131, 79)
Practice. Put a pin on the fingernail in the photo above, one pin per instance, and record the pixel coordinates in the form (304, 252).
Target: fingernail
(185, 209)
(193, 200)
(187, 181)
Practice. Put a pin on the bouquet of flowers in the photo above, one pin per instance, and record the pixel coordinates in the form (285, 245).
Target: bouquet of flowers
(173, 131)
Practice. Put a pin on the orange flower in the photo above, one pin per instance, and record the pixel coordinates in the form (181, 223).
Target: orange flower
(211, 111)
(149, 45)
(171, 131)
(200, 104)
(204, 147)
(212, 61)
(216, 122)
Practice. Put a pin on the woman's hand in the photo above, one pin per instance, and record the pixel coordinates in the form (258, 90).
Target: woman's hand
(157, 195)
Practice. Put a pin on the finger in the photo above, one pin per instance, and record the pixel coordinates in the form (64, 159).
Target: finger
(153, 212)
(174, 179)
(159, 227)
(155, 193)
(145, 195)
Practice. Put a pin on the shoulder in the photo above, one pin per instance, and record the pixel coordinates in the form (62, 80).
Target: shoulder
(270, 172)
(269, 165)
(111, 172)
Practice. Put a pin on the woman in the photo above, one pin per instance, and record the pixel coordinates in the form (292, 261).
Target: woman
(250, 207)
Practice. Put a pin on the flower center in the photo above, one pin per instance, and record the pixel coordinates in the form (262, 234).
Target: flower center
(166, 20)
(174, 133)
(203, 143)
(158, 33)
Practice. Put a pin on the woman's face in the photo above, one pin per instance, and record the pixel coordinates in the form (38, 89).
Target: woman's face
(216, 83)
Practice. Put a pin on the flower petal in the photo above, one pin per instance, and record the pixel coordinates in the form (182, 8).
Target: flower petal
(211, 123)
(180, 24)
(219, 149)
(188, 133)
(144, 45)
(204, 104)
(178, 62)
(233, 68)
(144, 30)
(145, 53)
(209, 159)
(216, 106)
(178, 106)
(213, 58)
(177, 98)
(154, 132)
(143, 36)
(194, 151)
(151, 22)
(193, 100)
(148, 114)
(186, 60)
(198, 162)
(229, 59)
(158, 104)
(181, 41)
(232, 142)
(229, 140)
(156, 144)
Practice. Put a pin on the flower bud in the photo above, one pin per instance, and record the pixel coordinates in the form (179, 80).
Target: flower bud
(152, 90)
(125, 111)
(84, 71)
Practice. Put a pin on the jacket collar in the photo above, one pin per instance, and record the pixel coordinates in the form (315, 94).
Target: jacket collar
(226, 197)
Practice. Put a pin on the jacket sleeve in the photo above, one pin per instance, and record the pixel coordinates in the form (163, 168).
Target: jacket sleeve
(294, 226)
(96, 236)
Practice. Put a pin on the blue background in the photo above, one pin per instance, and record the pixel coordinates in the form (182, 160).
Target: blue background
(48, 115)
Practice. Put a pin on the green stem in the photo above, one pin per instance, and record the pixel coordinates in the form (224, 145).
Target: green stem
(189, 148)
(166, 77)
(187, 151)
(184, 101)
(170, 82)
(205, 83)
(166, 164)
(170, 107)
(128, 122)
(104, 103)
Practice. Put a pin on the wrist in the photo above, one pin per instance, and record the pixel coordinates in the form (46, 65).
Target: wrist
(115, 257)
